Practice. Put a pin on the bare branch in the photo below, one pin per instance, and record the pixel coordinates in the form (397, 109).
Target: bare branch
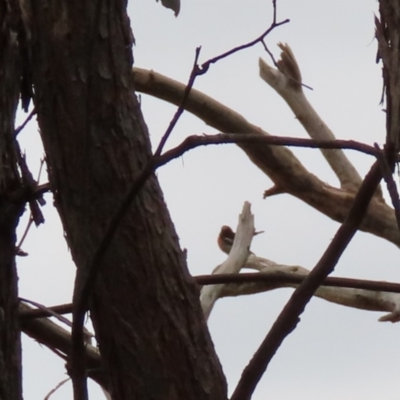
(390, 183)
(32, 313)
(355, 293)
(55, 337)
(48, 310)
(236, 259)
(191, 142)
(287, 82)
(280, 164)
(289, 317)
(205, 66)
(273, 276)
(27, 119)
(52, 391)
(195, 71)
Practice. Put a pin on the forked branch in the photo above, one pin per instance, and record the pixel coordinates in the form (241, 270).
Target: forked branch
(280, 164)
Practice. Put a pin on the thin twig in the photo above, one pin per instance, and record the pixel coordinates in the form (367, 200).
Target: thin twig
(260, 39)
(28, 118)
(275, 10)
(191, 142)
(52, 391)
(31, 313)
(48, 310)
(25, 234)
(40, 169)
(270, 54)
(289, 317)
(194, 73)
(252, 277)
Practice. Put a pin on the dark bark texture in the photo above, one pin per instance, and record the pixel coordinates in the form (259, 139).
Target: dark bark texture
(148, 321)
(388, 36)
(10, 205)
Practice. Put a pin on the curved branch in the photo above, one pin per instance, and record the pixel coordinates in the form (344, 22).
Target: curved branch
(279, 163)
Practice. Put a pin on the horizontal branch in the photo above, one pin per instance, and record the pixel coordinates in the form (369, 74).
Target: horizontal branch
(279, 163)
(26, 313)
(194, 141)
(57, 338)
(271, 276)
(286, 278)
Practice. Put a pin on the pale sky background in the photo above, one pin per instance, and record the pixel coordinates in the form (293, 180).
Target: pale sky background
(336, 352)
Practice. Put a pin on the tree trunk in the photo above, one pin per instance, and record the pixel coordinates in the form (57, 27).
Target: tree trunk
(145, 308)
(11, 206)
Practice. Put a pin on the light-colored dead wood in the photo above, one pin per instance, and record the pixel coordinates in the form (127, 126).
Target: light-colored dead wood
(279, 163)
(235, 261)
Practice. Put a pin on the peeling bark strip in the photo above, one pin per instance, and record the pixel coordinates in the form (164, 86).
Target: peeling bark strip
(152, 334)
(10, 210)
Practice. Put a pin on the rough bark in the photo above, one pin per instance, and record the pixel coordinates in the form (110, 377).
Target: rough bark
(10, 207)
(388, 36)
(148, 321)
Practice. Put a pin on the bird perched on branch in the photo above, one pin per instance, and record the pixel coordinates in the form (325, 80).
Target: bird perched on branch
(226, 237)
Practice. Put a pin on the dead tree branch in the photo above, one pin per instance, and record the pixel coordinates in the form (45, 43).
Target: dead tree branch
(274, 276)
(57, 338)
(274, 24)
(235, 261)
(286, 81)
(289, 317)
(279, 163)
(355, 293)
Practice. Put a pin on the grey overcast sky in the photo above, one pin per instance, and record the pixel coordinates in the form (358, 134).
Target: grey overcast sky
(336, 352)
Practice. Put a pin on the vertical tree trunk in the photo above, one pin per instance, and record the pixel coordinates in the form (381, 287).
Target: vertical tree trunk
(145, 307)
(10, 208)
(388, 36)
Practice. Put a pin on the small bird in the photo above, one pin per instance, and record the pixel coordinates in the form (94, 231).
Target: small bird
(226, 237)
